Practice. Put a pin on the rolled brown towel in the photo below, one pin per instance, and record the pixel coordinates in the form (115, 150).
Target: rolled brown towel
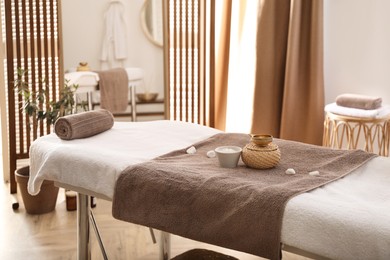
(359, 101)
(84, 124)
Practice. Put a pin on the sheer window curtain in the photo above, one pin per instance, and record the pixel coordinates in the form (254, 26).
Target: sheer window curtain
(273, 82)
(235, 64)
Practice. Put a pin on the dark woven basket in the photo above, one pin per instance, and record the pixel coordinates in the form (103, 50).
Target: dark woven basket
(203, 254)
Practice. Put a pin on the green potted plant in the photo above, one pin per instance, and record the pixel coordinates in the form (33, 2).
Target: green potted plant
(33, 104)
(33, 101)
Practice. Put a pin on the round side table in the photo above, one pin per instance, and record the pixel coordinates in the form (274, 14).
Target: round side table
(346, 132)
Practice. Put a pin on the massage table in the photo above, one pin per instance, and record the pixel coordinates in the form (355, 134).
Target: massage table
(345, 219)
(89, 80)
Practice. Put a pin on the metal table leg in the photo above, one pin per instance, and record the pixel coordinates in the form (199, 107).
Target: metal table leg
(165, 246)
(99, 238)
(83, 236)
(89, 98)
(83, 239)
(133, 104)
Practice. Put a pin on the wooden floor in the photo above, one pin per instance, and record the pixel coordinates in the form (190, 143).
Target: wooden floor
(53, 235)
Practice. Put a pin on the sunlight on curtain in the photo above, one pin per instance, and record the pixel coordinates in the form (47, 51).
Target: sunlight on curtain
(241, 66)
(1, 150)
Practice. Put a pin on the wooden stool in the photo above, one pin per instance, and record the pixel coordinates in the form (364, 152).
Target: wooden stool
(346, 132)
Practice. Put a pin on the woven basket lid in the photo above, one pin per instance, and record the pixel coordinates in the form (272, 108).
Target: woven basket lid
(269, 148)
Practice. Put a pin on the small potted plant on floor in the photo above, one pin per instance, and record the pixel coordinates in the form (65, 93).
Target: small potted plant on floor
(34, 106)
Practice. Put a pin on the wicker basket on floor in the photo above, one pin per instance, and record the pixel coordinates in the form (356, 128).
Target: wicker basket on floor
(203, 254)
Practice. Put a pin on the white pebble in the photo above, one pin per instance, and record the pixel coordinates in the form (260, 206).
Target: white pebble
(314, 173)
(191, 150)
(211, 154)
(290, 171)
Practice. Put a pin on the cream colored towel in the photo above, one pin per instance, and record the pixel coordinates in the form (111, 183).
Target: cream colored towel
(113, 85)
(359, 101)
(84, 124)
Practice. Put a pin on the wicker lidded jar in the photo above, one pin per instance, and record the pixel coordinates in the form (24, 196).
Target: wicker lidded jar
(261, 153)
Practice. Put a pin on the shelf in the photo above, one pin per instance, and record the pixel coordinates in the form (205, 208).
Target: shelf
(157, 101)
(139, 114)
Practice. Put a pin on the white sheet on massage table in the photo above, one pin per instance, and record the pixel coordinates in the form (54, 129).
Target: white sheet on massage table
(346, 219)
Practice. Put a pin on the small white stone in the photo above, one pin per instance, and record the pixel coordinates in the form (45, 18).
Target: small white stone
(314, 173)
(290, 171)
(191, 150)
(211, 154)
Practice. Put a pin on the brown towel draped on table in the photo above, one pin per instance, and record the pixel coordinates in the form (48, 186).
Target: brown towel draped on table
(84, 124)
(113, 85)
(240, 208)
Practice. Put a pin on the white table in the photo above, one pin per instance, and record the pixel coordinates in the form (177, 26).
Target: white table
(89, 80)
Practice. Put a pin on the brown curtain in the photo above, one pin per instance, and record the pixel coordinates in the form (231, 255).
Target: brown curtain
(222, 67)
(289, 89)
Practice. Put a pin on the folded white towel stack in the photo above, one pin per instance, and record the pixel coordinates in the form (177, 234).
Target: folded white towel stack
(354, 112)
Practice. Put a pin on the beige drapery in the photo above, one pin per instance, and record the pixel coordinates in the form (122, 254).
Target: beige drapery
(289, 91)
(222, 67)
(232, 14)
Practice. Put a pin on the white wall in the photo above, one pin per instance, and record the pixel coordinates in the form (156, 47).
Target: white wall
(83, 28)
(357, 48)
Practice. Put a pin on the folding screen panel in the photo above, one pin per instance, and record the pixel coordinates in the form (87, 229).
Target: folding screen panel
(32, 33)
(189, 60)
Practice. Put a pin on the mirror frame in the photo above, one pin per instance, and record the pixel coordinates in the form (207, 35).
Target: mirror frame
(145, 28)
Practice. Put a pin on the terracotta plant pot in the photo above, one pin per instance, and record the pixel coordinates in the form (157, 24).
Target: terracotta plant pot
(44, 202)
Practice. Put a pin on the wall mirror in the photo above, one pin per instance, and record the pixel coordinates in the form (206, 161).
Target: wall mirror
(152, 21)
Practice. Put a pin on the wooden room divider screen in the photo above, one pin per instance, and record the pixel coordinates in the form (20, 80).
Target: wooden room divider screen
(189, 60)
(33, 43)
